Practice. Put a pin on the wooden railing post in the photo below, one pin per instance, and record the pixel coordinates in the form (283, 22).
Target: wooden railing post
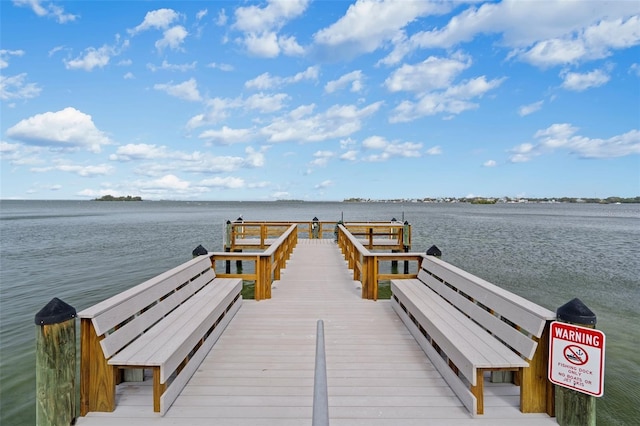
(56, 364)
(573, 407)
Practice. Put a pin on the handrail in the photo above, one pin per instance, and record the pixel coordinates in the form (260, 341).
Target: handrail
(268, 263)
(241, 235)
(365, 263)
(320, 393)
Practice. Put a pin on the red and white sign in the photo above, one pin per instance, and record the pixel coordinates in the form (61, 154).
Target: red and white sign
(576, 358)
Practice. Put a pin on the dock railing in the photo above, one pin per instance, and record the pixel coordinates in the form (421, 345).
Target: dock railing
(267, 263)
(258, 235)
(268, 246)
(366, 264)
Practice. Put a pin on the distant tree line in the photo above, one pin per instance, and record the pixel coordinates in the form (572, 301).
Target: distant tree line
(112, 198)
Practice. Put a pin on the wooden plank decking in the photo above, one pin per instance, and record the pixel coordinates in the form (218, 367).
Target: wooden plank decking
(261, 370)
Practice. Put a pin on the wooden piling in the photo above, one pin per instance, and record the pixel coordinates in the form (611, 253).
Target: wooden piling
(575, 408)
(55, 364)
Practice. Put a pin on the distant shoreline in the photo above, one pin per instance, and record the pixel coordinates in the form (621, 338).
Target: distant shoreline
(112, 198)
(474, 200)
(503, 200)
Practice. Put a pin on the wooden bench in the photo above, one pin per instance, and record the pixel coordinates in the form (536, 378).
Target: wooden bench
(167, 324)
(468, 326)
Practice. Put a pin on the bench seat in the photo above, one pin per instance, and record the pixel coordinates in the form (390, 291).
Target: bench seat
(167, 324)
(467, 327)
(469, 349)
(171, 340)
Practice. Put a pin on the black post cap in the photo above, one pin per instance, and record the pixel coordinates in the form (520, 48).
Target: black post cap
(55, 312)
(576, 312)
(393, 219)
(228, 222)
(199, 251)
(315, 219)
(434, 251)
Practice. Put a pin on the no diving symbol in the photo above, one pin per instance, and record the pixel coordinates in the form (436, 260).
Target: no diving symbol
(575, 355)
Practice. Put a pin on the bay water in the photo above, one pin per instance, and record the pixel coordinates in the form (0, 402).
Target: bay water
(84, 251)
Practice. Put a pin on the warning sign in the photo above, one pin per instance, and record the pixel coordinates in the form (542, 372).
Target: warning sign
(576, 358)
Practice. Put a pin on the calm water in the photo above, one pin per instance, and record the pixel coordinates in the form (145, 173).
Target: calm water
(83, 252)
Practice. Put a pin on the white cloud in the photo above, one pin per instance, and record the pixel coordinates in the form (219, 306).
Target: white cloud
(187, 90)
(15, 87)
(354, 78)
(8, 148)
(261, 25)
(275, 15)
(47, 9)
(141, 151)
(593, 42)
(227, 136)
(172, 38)
(432, 73)
(368, 24)
(522, 153)
(224, 182)
(201, 14)
(563, 32)
(222, 18)
(435, 150)
(5, 54)
(84, 171)
(374, 142)
(266, 81)
(156, 159)
(290, 46)
(217, 109)
(579, 82)
(564, 136)
(336, 122)
(453, 100)
(351, 155)
(266, 103)
(173, 67)
(324, 184)
(68, 128)
(91, 58)
(390, 149)
(525, 110)
(221, 67)
(489, 163)
(168, 182)
(635, 69)
(159, 19)
(321, 158)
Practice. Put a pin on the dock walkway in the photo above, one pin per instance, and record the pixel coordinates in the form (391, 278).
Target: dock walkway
(261, 370)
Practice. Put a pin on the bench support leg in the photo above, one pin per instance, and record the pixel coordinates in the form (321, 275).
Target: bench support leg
(97, 377)
(478, 390)
(158, 389)
(536, 393)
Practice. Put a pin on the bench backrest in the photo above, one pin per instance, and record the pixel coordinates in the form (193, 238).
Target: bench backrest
(509, 317)
(125, 316)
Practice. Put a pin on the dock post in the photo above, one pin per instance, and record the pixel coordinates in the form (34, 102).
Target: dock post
(575, 408)
(406, 242)
(56, 364)
(314, 227)
(227, 246)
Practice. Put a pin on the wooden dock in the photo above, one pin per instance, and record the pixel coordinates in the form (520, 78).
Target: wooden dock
(261, 371)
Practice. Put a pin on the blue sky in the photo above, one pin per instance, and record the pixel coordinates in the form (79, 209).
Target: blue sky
(319, 100)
